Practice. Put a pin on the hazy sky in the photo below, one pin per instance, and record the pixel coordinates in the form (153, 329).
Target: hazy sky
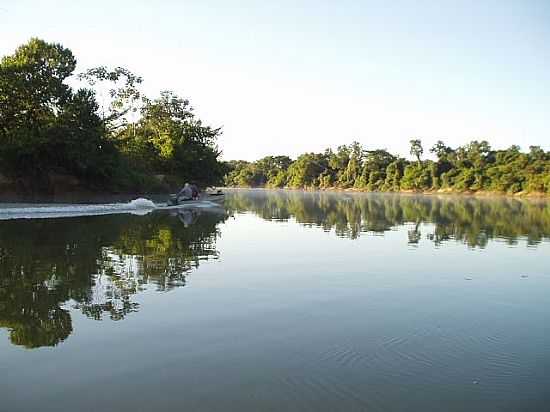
(287, 77)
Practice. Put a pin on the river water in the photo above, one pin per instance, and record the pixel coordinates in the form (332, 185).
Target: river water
(278, 301)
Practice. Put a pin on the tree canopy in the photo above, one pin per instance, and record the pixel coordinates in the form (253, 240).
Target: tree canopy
(118, 141)
(473, 167)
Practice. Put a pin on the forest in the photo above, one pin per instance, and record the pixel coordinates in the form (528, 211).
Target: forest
(473, 167)
(96, 127)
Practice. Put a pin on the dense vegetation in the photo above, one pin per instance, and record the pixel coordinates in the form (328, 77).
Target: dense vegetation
(473, 167)
(103, 131)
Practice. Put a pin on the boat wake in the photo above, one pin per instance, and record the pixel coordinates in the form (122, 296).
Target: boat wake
(138, 206)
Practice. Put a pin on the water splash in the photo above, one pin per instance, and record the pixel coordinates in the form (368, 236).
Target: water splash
(138, 206)
(141, 203)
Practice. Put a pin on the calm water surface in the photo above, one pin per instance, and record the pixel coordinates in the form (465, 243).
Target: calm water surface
(284, 301)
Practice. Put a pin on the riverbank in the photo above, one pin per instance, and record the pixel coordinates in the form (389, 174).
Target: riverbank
(66, 187)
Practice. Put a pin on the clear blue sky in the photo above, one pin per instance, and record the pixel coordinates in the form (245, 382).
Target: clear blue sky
(292, 76)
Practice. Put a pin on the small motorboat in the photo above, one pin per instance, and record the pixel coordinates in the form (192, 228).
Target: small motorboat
(216, 197)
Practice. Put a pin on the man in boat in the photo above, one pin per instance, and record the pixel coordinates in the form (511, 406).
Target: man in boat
(186, 193)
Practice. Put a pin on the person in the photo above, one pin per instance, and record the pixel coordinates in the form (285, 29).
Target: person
(195, 191)
(186, 193)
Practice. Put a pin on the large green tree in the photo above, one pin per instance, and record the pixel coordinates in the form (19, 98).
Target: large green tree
(170, 139)
(48, 127)
(32, 93)
(45, 125)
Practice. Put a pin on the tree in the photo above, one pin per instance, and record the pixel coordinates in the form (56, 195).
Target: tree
(47, 127)
(32, 94)
(471, 167)
(536, 153)
(441, 150)
(375, 164)
(174, 141)
(234, 167)
(351, 172)
(416, 177)
(305, 171)
(120, 87)
(416, 148)
(78, 144)
(271, 168)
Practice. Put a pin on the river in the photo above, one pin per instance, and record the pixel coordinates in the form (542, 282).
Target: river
(281, 300)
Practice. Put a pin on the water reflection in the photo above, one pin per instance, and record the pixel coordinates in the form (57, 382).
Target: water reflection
(473, 221)
(95, 264)
(99, 265)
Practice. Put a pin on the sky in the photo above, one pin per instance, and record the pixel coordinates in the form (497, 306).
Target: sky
(289, 77)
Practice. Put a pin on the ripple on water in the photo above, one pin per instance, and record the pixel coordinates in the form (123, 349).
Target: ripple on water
(323, 391)
(345, 355)
(435, 356)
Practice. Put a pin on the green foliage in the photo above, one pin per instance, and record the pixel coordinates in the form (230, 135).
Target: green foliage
(169, 139)
(32, 94)
(416, 148)
(394, 173)
(473, 167)
(270, 171)
(375, 165)
(119, 87)
(417, 176)
(46, 126)
(279, 180)
(306, 170)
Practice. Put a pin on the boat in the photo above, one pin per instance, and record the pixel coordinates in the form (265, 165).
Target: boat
(208, 196)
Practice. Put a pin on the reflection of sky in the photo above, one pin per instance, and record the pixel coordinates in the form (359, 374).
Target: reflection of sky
(120, 275)
(288, 247)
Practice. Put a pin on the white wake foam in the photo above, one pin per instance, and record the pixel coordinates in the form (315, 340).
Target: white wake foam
(137, 206)
(141, 203)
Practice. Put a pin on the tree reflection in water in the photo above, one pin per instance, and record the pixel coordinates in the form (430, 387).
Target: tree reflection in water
(95, 264)
(473, 221)
(99, 264)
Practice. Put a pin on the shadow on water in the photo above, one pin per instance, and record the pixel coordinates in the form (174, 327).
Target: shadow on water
(473, 221)
(94, 264)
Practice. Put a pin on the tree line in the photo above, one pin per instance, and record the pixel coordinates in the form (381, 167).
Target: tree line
(469, 168)
(96, 125)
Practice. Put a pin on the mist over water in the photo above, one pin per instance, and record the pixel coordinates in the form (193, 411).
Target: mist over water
(286, 300)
